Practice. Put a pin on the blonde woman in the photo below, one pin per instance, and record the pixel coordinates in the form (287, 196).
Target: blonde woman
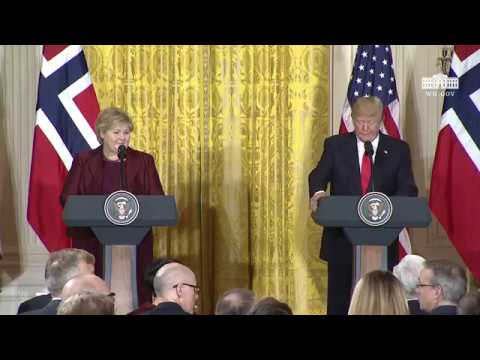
(379, 293)
(97, 171)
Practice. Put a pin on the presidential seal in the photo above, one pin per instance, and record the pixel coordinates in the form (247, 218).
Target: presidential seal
(375, 208)
(121, 207)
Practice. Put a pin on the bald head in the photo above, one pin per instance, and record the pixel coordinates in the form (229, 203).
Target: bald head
(175, 282)
(87, 282)
(170, 275)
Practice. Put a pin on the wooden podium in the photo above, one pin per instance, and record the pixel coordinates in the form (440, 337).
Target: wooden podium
(370, 242)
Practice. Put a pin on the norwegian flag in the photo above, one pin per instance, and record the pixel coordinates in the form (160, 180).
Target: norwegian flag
(455, 186)
(373, 75)
(67, 108)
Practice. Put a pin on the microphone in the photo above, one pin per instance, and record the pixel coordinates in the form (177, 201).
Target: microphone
(122, 152)
(369, 151)
(122, 155)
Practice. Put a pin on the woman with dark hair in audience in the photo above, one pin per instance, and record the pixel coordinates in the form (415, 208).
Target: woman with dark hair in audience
(270, 306)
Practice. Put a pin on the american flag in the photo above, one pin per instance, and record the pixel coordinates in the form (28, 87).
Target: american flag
(455, 186)
(373, 75)
(67, 108)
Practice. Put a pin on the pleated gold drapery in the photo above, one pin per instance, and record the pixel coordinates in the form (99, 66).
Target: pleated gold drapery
(235, 130)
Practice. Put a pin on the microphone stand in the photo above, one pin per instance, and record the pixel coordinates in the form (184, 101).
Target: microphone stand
(122, 174)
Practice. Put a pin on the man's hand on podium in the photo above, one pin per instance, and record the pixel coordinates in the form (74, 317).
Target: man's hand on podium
(316, 198)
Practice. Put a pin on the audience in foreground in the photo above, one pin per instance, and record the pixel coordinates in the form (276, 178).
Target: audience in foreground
(379, 293)
(408, 272)
(270, 306)
(441, 286)
(237, 301)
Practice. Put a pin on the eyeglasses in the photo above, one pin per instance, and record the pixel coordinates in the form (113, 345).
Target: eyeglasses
(425, 285)
(195, 287)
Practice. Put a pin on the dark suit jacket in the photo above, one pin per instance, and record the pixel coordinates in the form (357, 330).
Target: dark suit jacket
(167, 308)
(445, 310)
(339, 166)
(414, 308)
(86, 178)
(34, 303)
(50, 309)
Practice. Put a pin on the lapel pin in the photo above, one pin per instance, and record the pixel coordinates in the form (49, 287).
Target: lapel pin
(385, 152)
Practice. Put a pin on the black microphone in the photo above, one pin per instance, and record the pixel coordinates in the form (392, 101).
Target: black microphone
(369, 151)
(122, 152)
(122, 155)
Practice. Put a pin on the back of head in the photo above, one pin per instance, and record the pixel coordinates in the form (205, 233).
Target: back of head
(379, 293)
(469, 304)
(270, 306)
(85, 282)
(408, 271)
(152, 270)
(65, 264)
(235, 302)
(451, 277)
(87, 303)
(175, 282)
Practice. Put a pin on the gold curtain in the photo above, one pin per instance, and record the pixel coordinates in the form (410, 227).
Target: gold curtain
(235, 130)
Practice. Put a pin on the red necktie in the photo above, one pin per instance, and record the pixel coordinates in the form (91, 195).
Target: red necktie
(366, 172)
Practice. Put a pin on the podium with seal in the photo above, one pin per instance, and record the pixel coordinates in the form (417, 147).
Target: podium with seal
(372, 223)
(120, 218)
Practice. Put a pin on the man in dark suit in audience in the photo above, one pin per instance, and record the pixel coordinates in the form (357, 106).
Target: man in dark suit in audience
(176, 291)
(345, 164)
(441, 286)
(34, 303)
(62, 266)
(148, 277)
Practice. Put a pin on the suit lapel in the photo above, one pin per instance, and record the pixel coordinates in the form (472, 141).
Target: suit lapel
(380, 158)
(352, 155)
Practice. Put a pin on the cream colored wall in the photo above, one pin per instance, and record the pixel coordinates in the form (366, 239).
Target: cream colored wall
(22, 266)
(21, 269)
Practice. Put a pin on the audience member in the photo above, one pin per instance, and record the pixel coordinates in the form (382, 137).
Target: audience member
(469, 304)
(378, 293)
(148, 277)
(85, 282)
(441, 286)
(87, 303)
(270, 306)
(176, 291)
(408, 271)
(39, 301)
(235, 302)
(62, 266)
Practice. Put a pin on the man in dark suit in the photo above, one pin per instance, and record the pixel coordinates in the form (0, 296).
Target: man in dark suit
(37, 302)
(340, 165)
(62, 266)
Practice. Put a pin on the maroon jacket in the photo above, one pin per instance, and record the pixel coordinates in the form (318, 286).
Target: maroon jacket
(86, 178)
